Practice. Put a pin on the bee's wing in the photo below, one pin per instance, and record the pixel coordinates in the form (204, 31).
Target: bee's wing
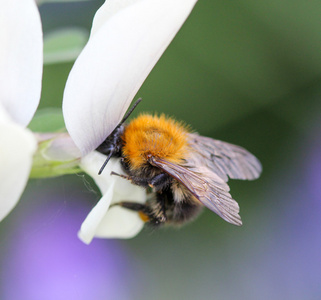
(223, 158)
(206, 186)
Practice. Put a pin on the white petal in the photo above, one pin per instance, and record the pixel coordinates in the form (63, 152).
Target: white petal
(109, 9)
(120, 223)
(20, 58)
(61, 148)
(89, 226)
(17, 148)
(116, 222)
(114, 64)
(92, 163)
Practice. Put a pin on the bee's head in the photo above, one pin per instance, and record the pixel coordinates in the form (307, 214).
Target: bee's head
(113, 143)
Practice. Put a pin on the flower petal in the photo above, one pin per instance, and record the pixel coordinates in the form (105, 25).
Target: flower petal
(109, 9)
(17, 148)
(120, 223)
(92, 163)
(89, 226)
(114, 64)
(116, 222)
(61, 147)
(20, 59)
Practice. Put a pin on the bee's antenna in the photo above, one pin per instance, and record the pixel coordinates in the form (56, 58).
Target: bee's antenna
(129, 112)
(105, 163)
(122, 121)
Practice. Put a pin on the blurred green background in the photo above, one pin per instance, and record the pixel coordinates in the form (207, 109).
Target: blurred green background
(246, 72)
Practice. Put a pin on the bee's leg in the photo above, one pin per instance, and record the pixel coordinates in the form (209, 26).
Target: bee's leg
(160, 181)
(120, 175)
(147, 214)
(135, 180)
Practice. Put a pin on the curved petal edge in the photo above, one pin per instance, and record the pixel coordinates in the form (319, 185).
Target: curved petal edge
(114, 64)
(21, 59)
(17, 148)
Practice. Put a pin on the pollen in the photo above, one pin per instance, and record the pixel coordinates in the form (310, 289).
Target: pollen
(155, 136)
(145, 218)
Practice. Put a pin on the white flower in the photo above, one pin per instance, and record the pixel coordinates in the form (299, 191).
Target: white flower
(127, 39)
(115, 222)
(20, 87)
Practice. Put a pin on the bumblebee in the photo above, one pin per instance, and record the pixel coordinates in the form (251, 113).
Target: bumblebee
(182, 170)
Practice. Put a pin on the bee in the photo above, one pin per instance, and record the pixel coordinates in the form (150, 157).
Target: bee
(182, 170)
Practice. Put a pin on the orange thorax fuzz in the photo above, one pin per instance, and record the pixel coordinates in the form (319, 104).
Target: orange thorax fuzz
(156, 136)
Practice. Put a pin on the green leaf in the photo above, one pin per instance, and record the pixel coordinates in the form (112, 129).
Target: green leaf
(47, 120)
(64, 45)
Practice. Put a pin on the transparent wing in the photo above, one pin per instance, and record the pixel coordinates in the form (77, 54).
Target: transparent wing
(206, 186)
(224, 159)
